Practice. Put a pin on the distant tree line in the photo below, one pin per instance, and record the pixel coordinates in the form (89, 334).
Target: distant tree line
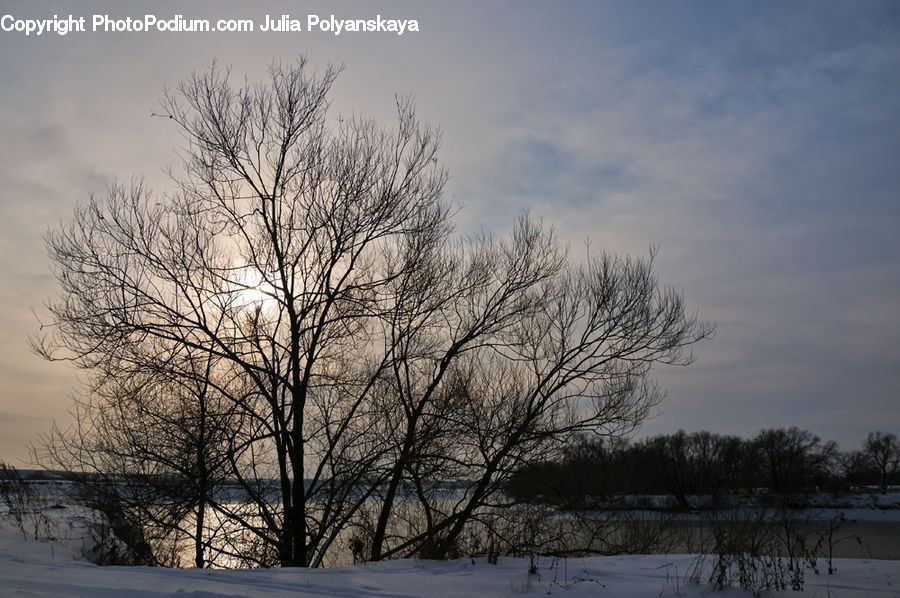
(781, 461)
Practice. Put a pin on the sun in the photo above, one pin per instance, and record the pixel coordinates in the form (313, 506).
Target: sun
(248, 288)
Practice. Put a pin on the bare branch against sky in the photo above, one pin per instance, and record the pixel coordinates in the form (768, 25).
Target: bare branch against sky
(755, 144)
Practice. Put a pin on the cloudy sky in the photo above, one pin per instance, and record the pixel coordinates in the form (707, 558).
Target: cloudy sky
(757, 144)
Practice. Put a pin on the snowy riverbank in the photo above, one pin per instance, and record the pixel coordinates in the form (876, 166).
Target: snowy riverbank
(35, 569)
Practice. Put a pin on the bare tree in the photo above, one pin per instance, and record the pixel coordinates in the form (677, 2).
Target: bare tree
(793, 460)
(149, 450)
(363, 352)
(883, 450)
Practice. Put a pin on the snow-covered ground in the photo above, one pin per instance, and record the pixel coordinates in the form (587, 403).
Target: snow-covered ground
(865, 504)
(31, 568)
(46, 569)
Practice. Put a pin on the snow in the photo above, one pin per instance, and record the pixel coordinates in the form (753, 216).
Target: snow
(32, 568)
(44, 569)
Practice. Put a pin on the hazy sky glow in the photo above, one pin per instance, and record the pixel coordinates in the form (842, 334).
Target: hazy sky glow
(757, 144)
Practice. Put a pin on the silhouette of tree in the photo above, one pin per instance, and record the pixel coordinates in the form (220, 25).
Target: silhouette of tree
(364, 350)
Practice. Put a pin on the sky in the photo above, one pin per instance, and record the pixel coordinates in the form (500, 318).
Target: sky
(756, 144)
